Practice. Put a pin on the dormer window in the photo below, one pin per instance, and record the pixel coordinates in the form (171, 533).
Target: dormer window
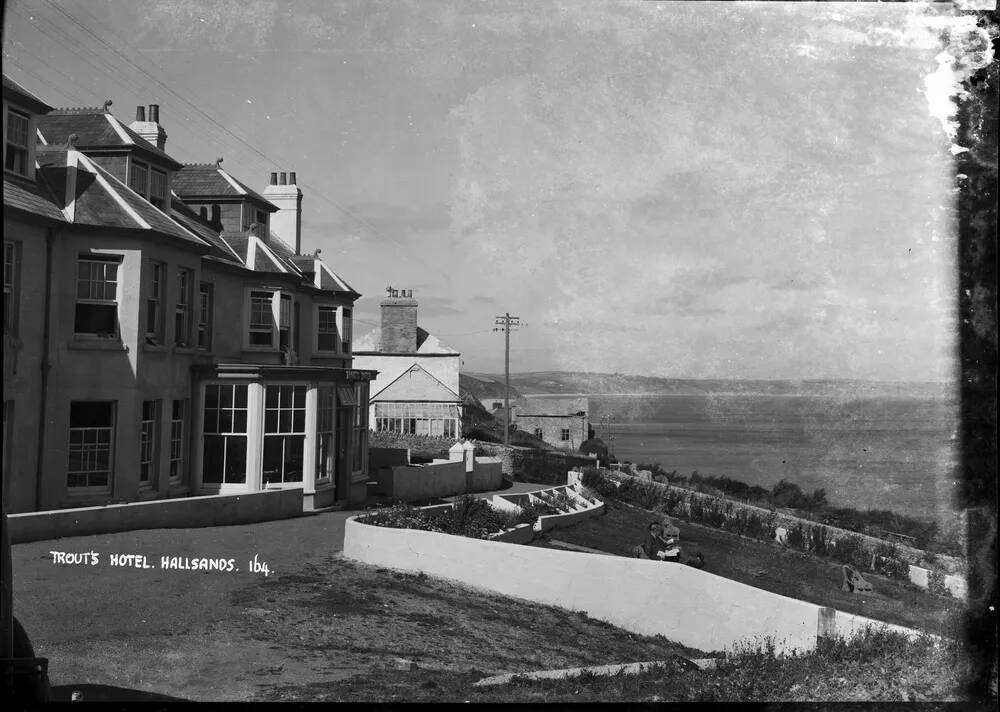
(16, 153)
(150, 183)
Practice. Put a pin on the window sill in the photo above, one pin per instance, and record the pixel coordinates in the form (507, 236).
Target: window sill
(97, 345)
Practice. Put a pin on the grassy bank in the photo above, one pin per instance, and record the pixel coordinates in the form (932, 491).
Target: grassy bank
(877, 666)
(770, 567)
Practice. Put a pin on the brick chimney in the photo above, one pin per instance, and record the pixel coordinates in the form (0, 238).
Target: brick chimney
(287, 222)
(148, 126)
(399, 322)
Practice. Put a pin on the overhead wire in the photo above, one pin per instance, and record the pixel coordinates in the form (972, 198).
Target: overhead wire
(271, 162)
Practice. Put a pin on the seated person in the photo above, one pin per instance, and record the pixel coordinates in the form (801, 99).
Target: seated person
(656, 546)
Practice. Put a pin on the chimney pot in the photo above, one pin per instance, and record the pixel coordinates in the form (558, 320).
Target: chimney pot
(282, 178)
(291, 178)
(274, 178)
(140, 113)
(154, 113)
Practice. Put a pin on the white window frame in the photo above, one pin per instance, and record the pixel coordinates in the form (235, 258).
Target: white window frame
(89, 445)
(149, 425)
(182, 307)
(17, 154)
(158, 180)
(206, 306)
(564, 435)
(249, 429)
(101, 299)
(11, 286)
(144, 178)
(154, 299)
(332, 328)
(346, 328)
(276, 430)
(326, 433)
(278, 322)
(178, 429)
(359, 433)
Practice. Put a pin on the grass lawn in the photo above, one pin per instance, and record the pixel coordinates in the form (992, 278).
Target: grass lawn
(770, 567)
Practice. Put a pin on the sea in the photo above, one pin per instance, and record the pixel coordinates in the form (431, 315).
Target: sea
(895, 453)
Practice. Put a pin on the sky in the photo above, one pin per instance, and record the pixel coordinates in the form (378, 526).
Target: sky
(691, 190)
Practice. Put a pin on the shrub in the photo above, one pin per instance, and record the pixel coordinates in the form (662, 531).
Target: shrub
(850, 550)
(818, 540)
(796, 538)
(935, 582)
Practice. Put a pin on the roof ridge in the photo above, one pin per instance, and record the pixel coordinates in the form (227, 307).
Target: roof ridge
(60, 110)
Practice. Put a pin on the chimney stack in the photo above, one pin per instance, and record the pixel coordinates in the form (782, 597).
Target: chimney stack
(399, 322)
(287, 222)
(148, 125)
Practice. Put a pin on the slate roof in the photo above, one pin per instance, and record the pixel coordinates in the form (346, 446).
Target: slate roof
(19, 95)
(30, 196)
(96, 128)
(204, 180)
(193, 222)
(427, 343)
(551, 407)
(101, 200)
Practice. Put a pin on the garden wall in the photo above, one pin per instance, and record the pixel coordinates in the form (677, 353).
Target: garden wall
(438, 479)
(688, 503)
(529, 465)
(183, 512)
(686, 605)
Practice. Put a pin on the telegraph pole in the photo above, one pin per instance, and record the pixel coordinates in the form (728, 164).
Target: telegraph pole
(505, 324)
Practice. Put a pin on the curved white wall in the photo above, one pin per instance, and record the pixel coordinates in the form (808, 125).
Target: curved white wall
(681, 603)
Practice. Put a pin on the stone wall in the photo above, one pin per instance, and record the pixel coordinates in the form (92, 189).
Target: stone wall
(529, 465)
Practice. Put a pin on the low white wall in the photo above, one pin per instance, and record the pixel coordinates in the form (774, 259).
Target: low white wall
(684, 604)
(207, 511)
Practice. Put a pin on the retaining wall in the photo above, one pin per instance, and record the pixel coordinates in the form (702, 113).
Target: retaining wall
(684, 604)
(183, 512)
(441, 478)
(954, 582)
(529, 465)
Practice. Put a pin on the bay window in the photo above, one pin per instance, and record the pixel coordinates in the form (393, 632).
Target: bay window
(225, 434)
(284, 433)
(327, 335)
(270, 320)
(97, 297)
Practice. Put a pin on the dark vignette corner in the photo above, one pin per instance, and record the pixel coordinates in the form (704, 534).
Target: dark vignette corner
(977, 284)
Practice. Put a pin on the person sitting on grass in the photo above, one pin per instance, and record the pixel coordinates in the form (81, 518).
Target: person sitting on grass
(655, 546)
(697, 562)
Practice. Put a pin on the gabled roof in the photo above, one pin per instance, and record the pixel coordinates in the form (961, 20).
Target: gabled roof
(30, 196)
(88, 195)
(14, 92)
(551, 407)
(207, 180)
(96, 128)
(416, 384)
(314, 269)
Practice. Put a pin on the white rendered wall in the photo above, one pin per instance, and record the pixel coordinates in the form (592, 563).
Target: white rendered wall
(683, 604)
